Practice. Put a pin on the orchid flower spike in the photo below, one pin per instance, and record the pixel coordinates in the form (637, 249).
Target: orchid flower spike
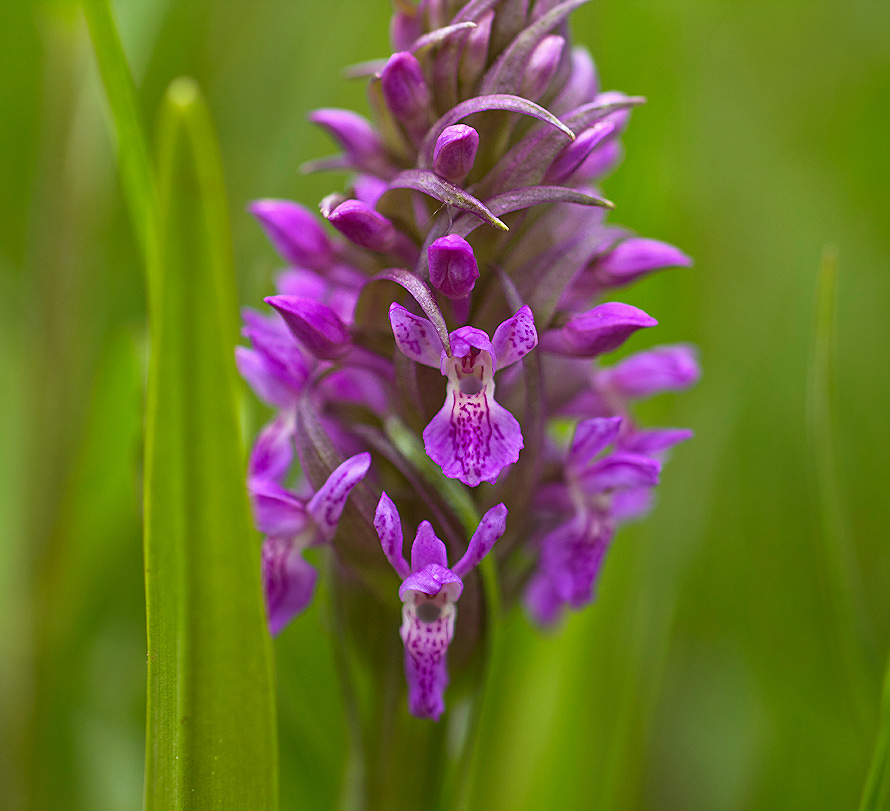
(429, 593)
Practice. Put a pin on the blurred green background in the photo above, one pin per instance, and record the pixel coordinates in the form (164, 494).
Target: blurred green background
(716, 671)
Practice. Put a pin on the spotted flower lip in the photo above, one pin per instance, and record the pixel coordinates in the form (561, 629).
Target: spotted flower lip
(292, 523)
(429, 593)
(472, 438)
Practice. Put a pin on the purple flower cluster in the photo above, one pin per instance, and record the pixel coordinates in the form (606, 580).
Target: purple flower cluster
(474, 189)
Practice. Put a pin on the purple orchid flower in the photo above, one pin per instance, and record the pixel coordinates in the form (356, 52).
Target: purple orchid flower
(472, 438)
(602, 490)
(429, 593)
(292, 523)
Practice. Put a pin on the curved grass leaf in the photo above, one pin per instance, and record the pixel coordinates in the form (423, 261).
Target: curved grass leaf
(211, 738)
(876, 793)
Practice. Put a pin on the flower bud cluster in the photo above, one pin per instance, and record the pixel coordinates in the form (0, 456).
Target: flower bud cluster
(458, 305)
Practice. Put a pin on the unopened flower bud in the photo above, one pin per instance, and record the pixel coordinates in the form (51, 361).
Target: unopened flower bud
(475, 53)
(599, 330)
(294, 232)
(636, 257)
(453, 269)
(314, 324)
(542, 66)
(455, 152)
(364, 226)
(353, 132)
(578, 151)
(404, 88)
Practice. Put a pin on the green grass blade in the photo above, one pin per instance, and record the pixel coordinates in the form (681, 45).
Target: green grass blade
(876, 793)
(133, 151)
(211, 738)
(851, 631)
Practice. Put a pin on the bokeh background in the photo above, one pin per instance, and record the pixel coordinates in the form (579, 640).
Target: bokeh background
(734, 656)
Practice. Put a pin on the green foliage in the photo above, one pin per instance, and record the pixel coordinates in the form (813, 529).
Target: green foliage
(211, 739)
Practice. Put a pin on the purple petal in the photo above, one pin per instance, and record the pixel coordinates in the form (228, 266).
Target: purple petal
(273, 450)
(455, 152)
(452, 265)
(416, 337)
(278, 366)
(288, 582)
(654, 441)
(601, 161)
(578, 151)
(363, 387)
(294, 231)
(599, 330)
(426, 668)
(475, 53)
(465, 339)
(276, 511)
(389, 529)
(432, 579)
(364, 226)
(635, 257)
(404, 88)
(620, 471)
(514, 338)
(664, 368)
(490, 528)
(505, 74)
(473, 438)
(369, 189)
(581, 85)
(315, 325)
(628, 505)
(427, 549)
(327, 504)
(353, 132)
(542, 66)
(591, 437)
(254, 367)
(404, 28)
(572, 556)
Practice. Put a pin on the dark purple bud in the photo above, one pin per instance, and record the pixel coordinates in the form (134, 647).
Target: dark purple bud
(541, 67)
(404, 88)
(364, 226)
(353, 132)
(664, 368)
(475, 54)
(453, 269)
(455, 152)
(314, 324)
(294, 231)
(578, 151)
(635, 257)
(599, 330)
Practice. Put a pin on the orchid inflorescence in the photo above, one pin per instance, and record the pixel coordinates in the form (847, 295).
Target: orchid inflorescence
(473, 190)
